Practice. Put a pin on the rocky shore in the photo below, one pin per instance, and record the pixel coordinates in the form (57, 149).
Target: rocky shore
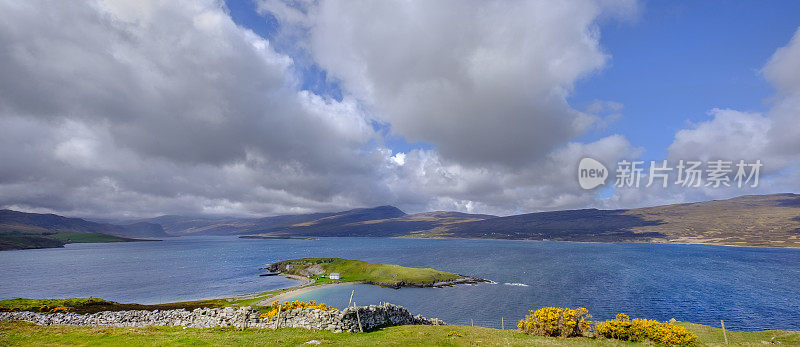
(351, 319)
(453, 282)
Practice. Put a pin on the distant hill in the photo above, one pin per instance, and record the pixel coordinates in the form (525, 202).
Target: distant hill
(370, 222)
(181, 225)
(142, 229)
(178, 225)
(14, 221)
(394, 223)
(21, 230)
(755, 220)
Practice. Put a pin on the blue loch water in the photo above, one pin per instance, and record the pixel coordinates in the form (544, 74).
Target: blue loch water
(749, 288)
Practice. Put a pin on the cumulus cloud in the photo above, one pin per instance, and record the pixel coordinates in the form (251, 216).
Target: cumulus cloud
(729, 135)
(484, 82)
(136, 107)
(783, 72)
(429, 182)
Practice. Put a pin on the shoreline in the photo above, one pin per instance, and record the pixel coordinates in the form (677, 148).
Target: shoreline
(245, 237)
(795, 247)
(284, 296)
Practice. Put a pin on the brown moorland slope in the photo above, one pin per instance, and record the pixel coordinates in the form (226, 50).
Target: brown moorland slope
(752, 220)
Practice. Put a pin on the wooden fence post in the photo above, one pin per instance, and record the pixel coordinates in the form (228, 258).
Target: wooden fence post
(278, 316)
(724, 334)
(351, 298)
(358, 317)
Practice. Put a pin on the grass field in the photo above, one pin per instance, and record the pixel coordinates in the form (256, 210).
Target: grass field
(20, 333)
(361, 271)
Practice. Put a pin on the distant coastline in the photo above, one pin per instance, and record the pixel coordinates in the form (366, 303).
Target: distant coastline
(746, 221)
(19, 241)
(268, 237)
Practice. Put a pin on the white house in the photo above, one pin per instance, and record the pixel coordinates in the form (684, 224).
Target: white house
(334, 276)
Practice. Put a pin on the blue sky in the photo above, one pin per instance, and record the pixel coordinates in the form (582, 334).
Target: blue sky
(680, 59)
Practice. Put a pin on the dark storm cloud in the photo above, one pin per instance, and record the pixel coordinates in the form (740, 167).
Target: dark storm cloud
(141, 107)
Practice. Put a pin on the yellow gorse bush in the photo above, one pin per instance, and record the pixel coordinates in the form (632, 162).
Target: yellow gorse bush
(291, 305)
(556, 321)
(43, 308)
(61, 309)
(623, 328)
(454, 333)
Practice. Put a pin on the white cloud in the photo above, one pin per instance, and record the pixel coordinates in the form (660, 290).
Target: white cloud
(729, 135)
(484, 82)
(783, 72)
(399, 159)
(146, 107)
(112, 108)
(429, 182)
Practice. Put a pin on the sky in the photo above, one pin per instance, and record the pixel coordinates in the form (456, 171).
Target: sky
(124, 109)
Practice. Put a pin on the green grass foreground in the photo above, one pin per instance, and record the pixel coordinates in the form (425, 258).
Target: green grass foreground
(20, 333)
(361, 271)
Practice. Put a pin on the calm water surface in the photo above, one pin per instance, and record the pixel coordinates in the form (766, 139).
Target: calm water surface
(750, 288)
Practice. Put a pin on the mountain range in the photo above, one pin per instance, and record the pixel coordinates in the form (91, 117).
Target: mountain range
(753, 220)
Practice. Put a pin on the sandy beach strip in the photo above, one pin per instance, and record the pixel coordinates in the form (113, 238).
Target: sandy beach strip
(301, 288)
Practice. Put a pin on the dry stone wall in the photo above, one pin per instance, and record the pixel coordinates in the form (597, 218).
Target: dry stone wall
(370, 318)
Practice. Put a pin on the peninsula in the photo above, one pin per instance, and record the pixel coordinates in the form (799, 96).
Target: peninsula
(345, 270)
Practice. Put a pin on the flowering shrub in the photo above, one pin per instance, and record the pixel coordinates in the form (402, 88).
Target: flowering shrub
(60, 309)
(623, 328)
(287, 305)
(44, 309)
(454, 333)
(556, 321)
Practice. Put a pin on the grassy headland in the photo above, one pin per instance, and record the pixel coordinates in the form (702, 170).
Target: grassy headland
(15, 240)
(394, 276)
(20, 333)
